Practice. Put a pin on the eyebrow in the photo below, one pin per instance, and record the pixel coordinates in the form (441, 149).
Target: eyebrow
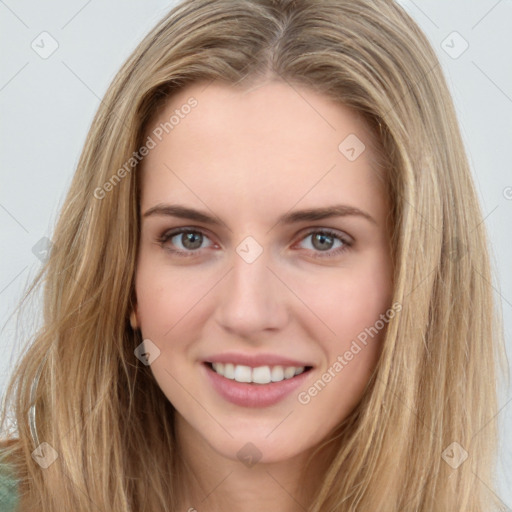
(309, 214)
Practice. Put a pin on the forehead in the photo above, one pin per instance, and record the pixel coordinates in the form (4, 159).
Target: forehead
(270, 142)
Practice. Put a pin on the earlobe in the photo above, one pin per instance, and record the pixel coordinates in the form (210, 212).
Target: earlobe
(133, 320)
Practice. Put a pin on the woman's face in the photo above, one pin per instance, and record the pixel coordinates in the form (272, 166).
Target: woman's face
(264, 249)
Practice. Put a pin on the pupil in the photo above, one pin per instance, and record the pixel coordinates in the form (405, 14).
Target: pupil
(192, 240)
(322, 239)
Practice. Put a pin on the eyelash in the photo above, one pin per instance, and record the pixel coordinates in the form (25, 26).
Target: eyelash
(347, 244)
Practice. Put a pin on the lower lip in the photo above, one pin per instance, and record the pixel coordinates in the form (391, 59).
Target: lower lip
(254, 395)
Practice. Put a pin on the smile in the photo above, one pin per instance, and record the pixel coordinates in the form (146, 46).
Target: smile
(246, 386)
(259, 375)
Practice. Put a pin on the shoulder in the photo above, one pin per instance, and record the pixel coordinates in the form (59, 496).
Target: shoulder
(8, 481)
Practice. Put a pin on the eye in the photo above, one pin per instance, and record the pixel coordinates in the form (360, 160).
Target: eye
(184, 241)
(190, 241)
(326, 242)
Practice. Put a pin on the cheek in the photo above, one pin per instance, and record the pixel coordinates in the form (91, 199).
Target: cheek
(168, 297)
(170, 307)
(351, 307)
(345, 304)
(351, 330)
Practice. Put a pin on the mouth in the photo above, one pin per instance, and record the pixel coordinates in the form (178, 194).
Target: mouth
(255, 386)
(260, 375)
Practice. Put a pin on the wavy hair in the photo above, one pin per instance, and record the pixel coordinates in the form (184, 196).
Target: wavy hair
(101, 410)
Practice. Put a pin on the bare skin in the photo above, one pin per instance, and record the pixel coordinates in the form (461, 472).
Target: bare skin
(247, 157)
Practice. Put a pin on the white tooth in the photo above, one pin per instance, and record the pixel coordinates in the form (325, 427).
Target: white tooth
(229, 371)
(300, 369)
(243, 373)
(277, 374)
(289, 372)
(261, 375)
(218, 367)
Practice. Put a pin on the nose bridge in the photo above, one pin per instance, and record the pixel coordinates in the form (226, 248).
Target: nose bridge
(251, 300)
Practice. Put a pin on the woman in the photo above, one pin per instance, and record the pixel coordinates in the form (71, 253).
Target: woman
(269, 280)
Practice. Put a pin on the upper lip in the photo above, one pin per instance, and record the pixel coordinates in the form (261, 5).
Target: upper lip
(255, 360)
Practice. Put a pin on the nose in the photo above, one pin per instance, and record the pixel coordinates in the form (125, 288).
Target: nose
(252, 299)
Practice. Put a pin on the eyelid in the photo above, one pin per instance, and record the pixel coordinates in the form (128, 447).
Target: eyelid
(171, 233)
(342, 235)
(346, 239)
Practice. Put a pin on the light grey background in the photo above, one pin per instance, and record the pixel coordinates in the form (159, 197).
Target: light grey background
(47, 105)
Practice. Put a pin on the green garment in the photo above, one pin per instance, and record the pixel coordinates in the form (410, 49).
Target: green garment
(8, 489)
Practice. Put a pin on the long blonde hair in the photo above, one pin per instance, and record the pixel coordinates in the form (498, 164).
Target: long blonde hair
(99, 407)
